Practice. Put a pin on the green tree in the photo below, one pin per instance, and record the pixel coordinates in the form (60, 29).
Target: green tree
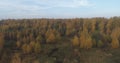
(100, 43)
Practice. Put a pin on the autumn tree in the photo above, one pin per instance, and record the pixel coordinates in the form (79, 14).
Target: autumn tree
(36, 61)
(16, 58)
(39, 38)
(37, 47)
(101, 26)
(69, 28)
(58, 36)
(115, 43)
(115, 35)
(24, 46)
(18, 36)
(32, 44)
(85, 40)
(75, 41)
(48, 33)
(18, 44)
(93, 25)
(51, 38)
(109, 26)
(28, 49)
(89, 42)
(1, 41)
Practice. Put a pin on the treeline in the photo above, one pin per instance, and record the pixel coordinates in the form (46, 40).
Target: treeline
(27, 36)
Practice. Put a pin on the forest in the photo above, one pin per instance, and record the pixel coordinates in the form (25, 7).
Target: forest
(77, 40)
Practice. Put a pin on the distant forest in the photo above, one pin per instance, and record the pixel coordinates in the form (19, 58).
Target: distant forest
(56, 40)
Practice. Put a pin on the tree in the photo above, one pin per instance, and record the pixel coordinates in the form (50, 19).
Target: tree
(18, 44)
(51, 38)
(18, 36)
(75, 41)
(28, 48)
(89, 42)
(115, 43)
(16, 58)
(58, 36)
(24, 39)
(115, 35)
(48, 32)
(93, 25)
(24, 48)
(85, 40)
(37, 47)
(1, 41)
(39, 38)
(32, 44)
(36, 61)
(100, 43)
(101, 26)
(109, 26)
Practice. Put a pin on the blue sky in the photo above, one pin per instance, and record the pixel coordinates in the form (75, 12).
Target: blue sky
(58, 8)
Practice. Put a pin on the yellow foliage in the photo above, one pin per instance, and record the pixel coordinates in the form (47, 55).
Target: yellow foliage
(32, 44)
(24, 48)
(37, 47)
(75, 41)
(93, 25)
(28, 49)
(115, 35)
(51, 38)
(115, 43)
(18, 44)
(85, 40)
(16, 58)
(88, 42)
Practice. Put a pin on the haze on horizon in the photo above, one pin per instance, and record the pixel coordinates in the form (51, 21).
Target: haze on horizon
(58, 8)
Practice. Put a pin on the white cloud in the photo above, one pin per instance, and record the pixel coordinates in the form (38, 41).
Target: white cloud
(65, 3)
(42, 4)
(22, 8)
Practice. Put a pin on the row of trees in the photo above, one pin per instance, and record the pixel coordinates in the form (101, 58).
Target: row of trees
(88, 30)
(29, 35)
(85, 40)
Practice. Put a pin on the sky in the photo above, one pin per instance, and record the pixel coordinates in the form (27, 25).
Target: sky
(14, 9)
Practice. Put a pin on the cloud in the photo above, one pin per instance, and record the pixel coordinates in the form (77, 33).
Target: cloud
(65, 3)
(22, 8)
(33, 5)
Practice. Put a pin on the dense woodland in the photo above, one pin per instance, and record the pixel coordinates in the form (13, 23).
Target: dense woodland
(60, 40)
